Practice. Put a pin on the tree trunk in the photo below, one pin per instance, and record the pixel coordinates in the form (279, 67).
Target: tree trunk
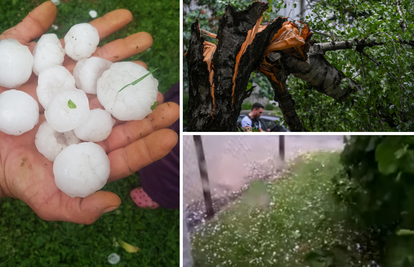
(233, 29)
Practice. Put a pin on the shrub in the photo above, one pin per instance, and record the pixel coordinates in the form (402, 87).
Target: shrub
(247, 105)
(378, 186)
(269, 106)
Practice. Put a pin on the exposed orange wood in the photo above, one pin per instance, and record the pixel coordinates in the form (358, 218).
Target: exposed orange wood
(209, 49)
(249, 39)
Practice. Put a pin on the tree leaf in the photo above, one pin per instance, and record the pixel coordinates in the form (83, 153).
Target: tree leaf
(385, 156)
(154, 105)
(128, 247)
(71, 105)
(404, 232)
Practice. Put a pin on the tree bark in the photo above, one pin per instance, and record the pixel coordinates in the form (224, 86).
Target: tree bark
(232, 33)
(282, 96)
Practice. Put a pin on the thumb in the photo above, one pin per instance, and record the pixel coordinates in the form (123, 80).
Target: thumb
(79, 210)
(92, 207)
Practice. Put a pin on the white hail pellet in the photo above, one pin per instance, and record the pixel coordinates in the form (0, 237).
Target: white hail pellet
(81, 41)
(52, 81)
(97, 127)
(81, 169)
(50, 142)
(67, 110)
(87, 72)
(16, 63)
(133, 102)
(19, 112)
(48, 52)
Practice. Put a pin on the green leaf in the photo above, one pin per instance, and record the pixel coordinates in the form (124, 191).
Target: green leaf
(138, 80)
(404, 232)
(407, 162)
(154, 105)
(71, 105)
(385, 156)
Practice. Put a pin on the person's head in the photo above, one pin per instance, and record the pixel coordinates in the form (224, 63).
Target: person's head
(257, 110)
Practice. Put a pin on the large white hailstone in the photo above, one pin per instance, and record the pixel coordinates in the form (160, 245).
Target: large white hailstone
(87, 72)
(52, 81)
(97, 127)
(48, 52)
(19, 112)
(50, 142)
(67, 110)
(16, 63)
(134, 101)
(81, 169)
(81, 41)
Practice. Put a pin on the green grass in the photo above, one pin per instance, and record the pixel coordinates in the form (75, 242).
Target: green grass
(158, 18)
(282, 222)
(27, 240)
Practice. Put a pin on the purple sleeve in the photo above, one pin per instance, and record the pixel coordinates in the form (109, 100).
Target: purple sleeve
(161, 179)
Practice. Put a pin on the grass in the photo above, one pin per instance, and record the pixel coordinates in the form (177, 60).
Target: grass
(26, 240)
(282, 222)
(158, 18)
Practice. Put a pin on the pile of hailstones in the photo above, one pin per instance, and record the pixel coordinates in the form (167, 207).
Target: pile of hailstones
(66, 138)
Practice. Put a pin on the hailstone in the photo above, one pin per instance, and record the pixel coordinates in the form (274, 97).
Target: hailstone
(134, 101)
(97, 127)
(81, 41)
(19, 112)
(48, 52)
(67, 110)
(50, 142)
(87, 72)
(81, 169)
(16, 63)
(52, 81)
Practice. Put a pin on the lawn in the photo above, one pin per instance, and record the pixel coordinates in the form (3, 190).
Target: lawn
(293, 221)
(26, 240)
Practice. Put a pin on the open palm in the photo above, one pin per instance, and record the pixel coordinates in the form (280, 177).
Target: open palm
(27, 175)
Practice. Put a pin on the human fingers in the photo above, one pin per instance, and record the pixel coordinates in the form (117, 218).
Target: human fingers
(33, 25)
(130, 159)
(124, 48)
(78, 210)
(122, 135)
(111, 22)
(142, 63)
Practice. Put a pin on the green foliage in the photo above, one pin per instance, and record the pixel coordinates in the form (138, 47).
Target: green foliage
(290, 222)
(377, 184)
(321, 113)
(27, 240)
(388, 88)
(269, 106)
(247, 105)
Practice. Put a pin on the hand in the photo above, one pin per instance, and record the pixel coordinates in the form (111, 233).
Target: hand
(27, 175)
